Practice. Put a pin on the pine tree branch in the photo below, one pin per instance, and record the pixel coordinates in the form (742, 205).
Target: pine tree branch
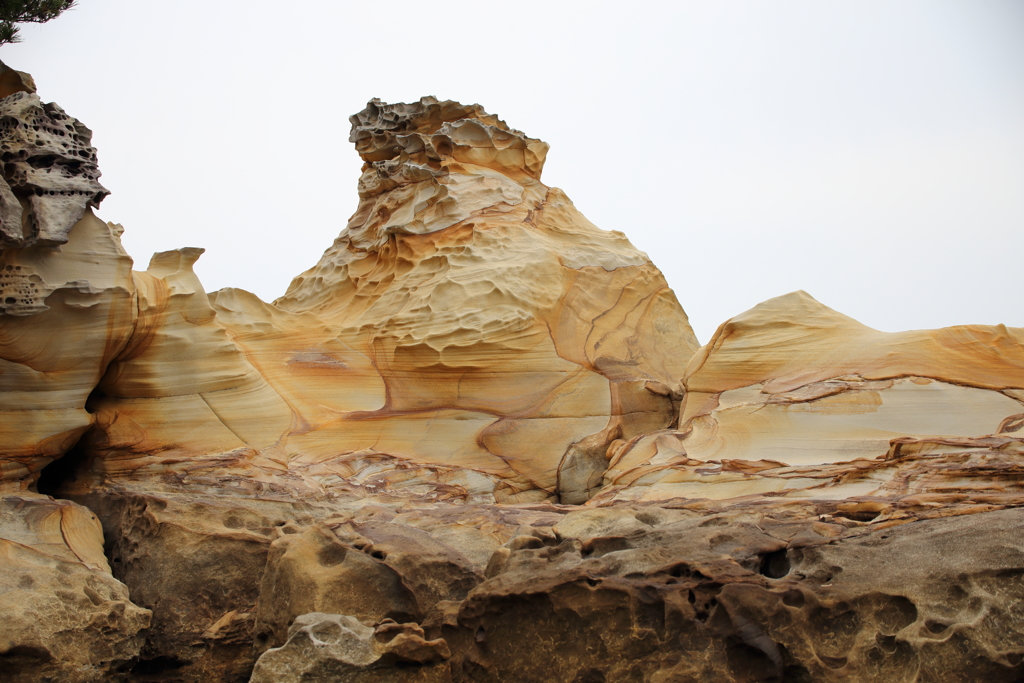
(27, 11)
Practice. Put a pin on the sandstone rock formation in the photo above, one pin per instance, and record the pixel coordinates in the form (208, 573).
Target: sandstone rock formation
(477, 442)
(468, 303)
(74, 314)
(793, 395)
(341, 648)
(65, 618)
(49, 169)
(469, 326)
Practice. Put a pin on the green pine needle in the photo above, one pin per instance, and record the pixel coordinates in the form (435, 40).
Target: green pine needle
(27, 11)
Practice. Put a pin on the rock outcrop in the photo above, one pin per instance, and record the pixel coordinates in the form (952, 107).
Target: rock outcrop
(477, 442)
(50, 176)
(479, 321)
(65, 618)
(75, 314)
(755, 589)
(792, 395)
(469, 325)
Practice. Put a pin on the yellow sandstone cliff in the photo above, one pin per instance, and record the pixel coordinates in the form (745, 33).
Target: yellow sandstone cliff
(476, 441)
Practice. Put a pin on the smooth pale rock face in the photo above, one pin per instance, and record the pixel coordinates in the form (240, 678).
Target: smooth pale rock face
(793, 383)
(70, 312)
(181, 391)
(794, 341)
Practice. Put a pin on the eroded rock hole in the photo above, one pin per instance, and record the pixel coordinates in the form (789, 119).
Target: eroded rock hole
(750, 664)
(885, 644)
(54, 477)
(589, 675)
(796, 673)
(26, 652)
(859, 515)
(331, 555)
(63, 470)
(22, 659)
(681, 571)
(833, 662)
(793, 598)
(775, 565)
(157, 665)
(596, 547)
(896, 614)
(1011, 573)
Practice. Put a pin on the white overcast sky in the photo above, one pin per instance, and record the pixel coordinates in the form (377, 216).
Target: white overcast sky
(869, 152)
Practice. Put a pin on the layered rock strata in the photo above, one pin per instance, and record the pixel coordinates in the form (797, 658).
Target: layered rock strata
(477, 442)
(75, 314)
(469, 325)
(792, 398)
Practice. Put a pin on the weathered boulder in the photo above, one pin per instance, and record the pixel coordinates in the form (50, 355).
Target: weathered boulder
(49, 176)
(333, 648)
(793, 395)
(64, 617)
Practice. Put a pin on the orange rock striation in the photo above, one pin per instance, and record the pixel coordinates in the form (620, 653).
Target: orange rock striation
(477, 441)
(469, 327)
(793, 395)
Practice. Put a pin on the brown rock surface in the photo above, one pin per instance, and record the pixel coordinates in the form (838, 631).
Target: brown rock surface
(478, 442)
(762, 589)
(64, 617)
(755, 592)
(332, 647)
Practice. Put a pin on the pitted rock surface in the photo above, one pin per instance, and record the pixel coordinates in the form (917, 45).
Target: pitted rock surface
(50, 174)
(478, 441)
